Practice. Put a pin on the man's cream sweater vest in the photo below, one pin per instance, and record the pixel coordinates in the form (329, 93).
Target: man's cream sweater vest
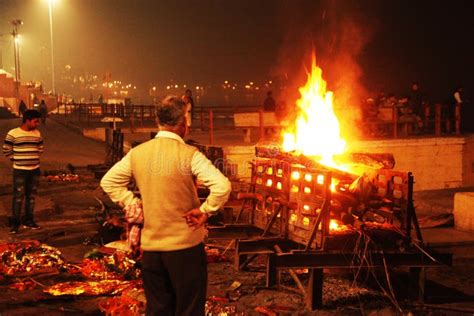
(162, 169)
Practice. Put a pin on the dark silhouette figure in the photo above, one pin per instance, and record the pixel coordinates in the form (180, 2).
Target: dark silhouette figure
(416, 100)
(416, 104)
(22, 108)
(269, 104)
(188, 100)
(43, 109)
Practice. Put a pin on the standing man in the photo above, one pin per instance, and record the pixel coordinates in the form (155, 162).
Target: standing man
(416, 104)
(24, 145)
(188, 100)
(458, 96)
(22, 108)
(43, 109)
(269, 104)
(174, 264)
(459, 110)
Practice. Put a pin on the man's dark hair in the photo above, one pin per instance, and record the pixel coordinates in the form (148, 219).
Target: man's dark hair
(171, 111)
(31, 114)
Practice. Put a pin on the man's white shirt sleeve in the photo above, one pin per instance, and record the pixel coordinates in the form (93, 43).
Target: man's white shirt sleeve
(212, 178)
(116, 180)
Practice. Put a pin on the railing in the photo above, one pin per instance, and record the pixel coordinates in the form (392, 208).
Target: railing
(94, 112)
(435, 121)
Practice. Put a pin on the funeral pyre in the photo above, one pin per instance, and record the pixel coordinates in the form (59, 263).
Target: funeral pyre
(299, 194)
(313, 185)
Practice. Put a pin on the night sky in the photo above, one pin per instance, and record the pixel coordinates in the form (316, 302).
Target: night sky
(363, 46)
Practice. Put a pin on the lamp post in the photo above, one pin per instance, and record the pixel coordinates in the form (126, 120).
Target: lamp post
(16, 47)
(16, 52)
(53, 82)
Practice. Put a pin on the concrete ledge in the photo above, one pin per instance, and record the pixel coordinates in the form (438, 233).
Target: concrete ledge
(464, 211)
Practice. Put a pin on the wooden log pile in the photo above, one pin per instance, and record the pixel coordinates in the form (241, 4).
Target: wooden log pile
(379, 195)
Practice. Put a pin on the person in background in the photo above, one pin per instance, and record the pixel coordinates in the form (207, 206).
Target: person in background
(458, 109)
(23, 146)
(416, 106)
(415, 99)
(269, 104)
(43, 109)
(174, 267)
(22, 108)
(188, 100)
(458, 96)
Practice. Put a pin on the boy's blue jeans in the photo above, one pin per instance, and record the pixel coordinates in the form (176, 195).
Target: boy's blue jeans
(25, 183)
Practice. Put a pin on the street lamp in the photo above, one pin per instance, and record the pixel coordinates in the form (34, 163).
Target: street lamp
(16, 47)
(50, 6)
(16, 52)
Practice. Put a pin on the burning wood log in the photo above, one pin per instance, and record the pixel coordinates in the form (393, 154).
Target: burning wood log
(373, 160)
(300, 159)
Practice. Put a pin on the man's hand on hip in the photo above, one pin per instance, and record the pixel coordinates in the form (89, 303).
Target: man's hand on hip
(195, 218)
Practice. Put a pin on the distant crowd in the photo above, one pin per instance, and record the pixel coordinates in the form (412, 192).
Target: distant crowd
(413, 109)
(416, 109)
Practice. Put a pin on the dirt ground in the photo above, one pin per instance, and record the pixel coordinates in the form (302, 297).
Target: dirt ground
(68, 211)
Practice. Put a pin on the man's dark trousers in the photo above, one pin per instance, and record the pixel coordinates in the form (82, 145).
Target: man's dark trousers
(175, 282)
(25, 183)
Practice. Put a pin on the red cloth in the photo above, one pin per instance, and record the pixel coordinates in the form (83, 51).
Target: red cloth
(134, 217)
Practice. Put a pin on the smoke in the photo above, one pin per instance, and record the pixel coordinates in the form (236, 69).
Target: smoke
(337, 32)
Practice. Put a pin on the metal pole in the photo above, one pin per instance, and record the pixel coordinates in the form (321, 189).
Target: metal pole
(395, 121)
(53, 82)
(14, 33)
(457, 118)
(261, 124)
(211, 127)
(437, 119)
(427, 113)
(18, 56)
(16, 52)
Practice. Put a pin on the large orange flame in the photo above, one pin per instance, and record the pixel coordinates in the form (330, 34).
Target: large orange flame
(316, 131)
